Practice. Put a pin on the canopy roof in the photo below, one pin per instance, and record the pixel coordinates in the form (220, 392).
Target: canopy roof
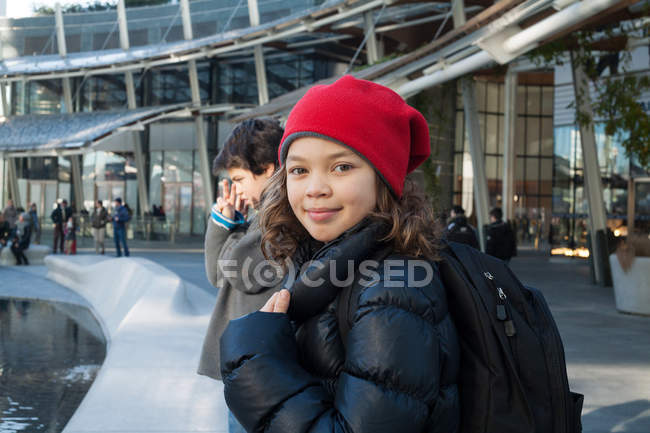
(56, 132)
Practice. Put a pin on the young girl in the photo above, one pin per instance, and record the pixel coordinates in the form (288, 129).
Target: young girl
(340, 199)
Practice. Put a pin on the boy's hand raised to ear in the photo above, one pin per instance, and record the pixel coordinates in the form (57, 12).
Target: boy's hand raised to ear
(231, 201)
(278, 303)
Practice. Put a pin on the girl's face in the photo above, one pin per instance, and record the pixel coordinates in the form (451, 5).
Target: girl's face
(330, 188)
(250, 185)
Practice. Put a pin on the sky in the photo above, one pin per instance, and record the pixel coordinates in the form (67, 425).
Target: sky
(24, 8)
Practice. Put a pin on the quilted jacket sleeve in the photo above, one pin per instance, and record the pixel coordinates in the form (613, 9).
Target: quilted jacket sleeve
(389, 383)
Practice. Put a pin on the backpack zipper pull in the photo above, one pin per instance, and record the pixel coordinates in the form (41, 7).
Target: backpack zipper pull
(502, 313)
(509, 325)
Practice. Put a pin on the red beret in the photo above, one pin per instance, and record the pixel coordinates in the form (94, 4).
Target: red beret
(367, 117)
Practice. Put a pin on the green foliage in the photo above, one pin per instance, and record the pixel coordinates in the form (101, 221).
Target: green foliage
(616, 98)
(432, 110)
(96, 6)
(624, 117)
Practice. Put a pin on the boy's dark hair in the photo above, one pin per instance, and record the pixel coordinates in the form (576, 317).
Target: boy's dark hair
(252, 145)
(497, 213)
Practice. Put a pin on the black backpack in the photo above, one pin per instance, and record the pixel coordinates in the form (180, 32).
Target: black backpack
(513, 374)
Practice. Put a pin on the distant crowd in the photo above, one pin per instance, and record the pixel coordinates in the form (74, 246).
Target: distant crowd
(20, 228)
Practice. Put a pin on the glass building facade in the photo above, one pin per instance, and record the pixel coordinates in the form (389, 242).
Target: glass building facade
(172, 162)
(533, 153)
(570, 206)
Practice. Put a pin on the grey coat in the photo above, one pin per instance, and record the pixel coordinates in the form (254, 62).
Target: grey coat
(232, 264)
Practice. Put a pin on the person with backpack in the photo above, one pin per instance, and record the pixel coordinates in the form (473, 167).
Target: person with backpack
(459, 230)
(363, 341)
(501, 242)
(233, 236)
(120, 218)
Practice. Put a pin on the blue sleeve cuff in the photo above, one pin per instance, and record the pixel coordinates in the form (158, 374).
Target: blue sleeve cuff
(219, 219)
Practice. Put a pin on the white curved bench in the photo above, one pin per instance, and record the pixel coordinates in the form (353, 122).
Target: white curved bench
(154, 323)
(35, 254)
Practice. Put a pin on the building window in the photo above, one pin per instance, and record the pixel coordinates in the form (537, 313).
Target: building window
(533, 150)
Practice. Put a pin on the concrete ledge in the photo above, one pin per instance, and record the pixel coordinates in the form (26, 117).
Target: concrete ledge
(35, 254)
(632, 288)
(154, 324)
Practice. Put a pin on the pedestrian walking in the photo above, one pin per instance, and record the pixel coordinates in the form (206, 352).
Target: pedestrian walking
(501, 241)
(10, 213)
(120, 218)
(69, 231)
(459, 229)
(57, 219)
(249, 155)
(98, 220)
(35, 223)
(21, 238)
(377, 354)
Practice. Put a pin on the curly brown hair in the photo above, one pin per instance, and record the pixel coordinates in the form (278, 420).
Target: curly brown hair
(409, 221)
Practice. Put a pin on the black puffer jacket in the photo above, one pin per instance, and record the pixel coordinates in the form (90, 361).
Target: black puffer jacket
(291, 373)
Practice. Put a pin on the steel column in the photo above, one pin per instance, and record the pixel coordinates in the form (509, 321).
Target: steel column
(509, 124)
(14, 191)
(5, 105)
(592, 179)
(75, 165)
(3, 179)
(143, 193)
(202, 145)
(260, 66)
(481, 196)
(371, 38)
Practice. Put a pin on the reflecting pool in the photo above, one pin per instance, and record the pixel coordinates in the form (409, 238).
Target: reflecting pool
(49, 355)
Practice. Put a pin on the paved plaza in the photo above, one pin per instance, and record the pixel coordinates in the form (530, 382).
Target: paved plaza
(608, 353)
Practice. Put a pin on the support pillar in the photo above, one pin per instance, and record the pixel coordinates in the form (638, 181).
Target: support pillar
(5, 104)
(481, 196)
(593, 181)
(202, 145)
(478, 159)
(12, 177)
(143, 192)
(3, 180)
(63, 52)
(75, 164)
(371, 38)
(260, 66)
(509, 124)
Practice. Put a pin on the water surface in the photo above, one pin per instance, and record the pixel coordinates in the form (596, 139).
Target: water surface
(50, 353)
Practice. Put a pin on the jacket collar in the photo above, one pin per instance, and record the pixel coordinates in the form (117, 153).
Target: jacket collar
(313, 288)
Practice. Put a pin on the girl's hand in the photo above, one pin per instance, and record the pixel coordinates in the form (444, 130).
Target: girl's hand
(278, 303)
